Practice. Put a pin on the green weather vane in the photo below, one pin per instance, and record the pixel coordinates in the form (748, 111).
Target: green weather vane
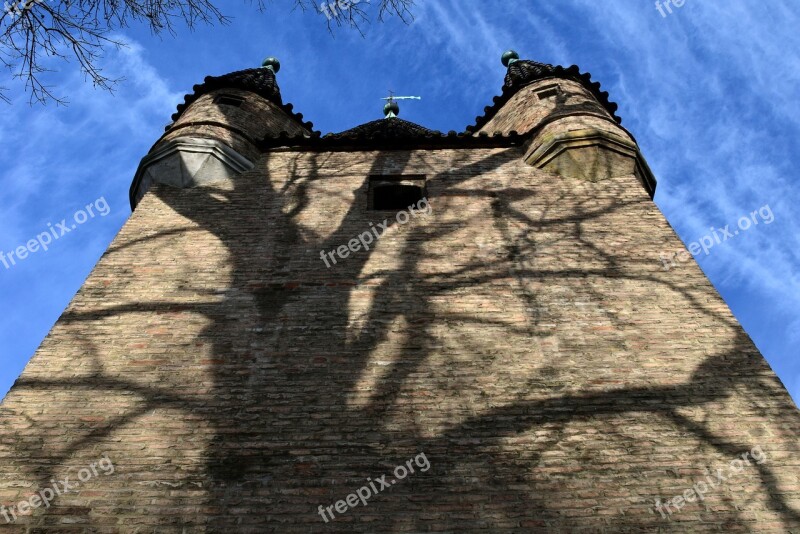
(392, 109)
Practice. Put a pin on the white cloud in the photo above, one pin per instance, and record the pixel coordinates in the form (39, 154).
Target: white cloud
(58, 160)
(110, 132)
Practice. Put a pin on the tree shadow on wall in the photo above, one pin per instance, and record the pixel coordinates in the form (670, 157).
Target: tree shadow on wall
(294, 426)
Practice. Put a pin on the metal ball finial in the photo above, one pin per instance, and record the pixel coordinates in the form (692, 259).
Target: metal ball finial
(509, 57)
(391, 109)
(272, 64)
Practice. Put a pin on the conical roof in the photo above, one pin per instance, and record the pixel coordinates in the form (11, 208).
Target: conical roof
(523, 72)
(260, 81)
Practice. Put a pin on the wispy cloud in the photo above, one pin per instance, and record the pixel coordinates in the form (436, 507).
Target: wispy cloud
(715, 112)
(58, 160)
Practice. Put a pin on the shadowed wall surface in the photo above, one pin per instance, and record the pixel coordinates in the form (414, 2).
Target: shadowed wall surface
(523, 336)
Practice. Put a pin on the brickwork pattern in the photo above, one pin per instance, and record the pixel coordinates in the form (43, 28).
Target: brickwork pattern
(523, 336)
(239, 127)
(571, 99)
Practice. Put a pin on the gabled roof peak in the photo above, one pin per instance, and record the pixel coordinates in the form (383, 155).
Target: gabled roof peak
(387, 128)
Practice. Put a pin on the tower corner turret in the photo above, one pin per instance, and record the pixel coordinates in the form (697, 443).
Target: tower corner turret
(572, 127)
(215, 133)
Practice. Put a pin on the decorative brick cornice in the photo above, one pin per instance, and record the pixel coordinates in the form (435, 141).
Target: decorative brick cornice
(409, 141)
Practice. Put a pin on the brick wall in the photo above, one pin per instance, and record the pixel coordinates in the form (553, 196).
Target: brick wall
(523, 336)
(239, 127)
(527, 109)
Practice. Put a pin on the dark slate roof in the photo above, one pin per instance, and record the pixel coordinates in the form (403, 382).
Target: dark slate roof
(393, 133)
(396, 132)
(393, 128)
(524, 72)
(260, 81)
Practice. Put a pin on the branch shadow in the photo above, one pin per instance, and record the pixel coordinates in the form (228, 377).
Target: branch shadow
(308, 401)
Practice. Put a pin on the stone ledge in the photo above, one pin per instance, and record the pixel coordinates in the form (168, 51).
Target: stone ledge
(590, 154)
(187, 162)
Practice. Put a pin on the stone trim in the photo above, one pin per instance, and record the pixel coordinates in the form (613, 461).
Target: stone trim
(550, 147)
(187, 162)
(216, 124)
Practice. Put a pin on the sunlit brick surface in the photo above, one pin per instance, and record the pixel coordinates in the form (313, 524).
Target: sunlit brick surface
(523, 335)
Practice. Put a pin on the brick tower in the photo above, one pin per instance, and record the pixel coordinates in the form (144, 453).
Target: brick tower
(392, 329)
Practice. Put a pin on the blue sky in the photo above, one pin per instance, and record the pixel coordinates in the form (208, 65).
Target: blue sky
(710, 92)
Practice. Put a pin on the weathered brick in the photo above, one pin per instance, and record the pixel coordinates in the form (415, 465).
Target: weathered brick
(524, 336)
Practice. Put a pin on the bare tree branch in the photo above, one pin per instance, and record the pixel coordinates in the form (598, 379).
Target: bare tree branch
(353, 13)
(32, 32)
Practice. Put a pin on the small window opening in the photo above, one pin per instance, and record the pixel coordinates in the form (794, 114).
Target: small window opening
(229, 100)
(548, 92)
(395, 193)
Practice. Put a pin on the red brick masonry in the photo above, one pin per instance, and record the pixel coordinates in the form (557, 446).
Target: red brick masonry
(523, 336)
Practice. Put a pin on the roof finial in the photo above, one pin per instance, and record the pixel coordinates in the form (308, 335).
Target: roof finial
(509, 57)
(392, 109)
(272, 64)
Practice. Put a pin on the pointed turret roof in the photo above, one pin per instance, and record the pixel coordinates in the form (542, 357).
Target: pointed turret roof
(522, 72)
(261, 81)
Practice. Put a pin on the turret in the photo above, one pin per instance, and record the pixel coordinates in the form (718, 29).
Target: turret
(215, 134)
(571, 126)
